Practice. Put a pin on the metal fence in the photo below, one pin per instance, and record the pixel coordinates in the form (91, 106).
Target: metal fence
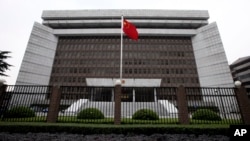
(77, 100)
(25, 103)
(220, 101)
(248, 93)
(139, 105)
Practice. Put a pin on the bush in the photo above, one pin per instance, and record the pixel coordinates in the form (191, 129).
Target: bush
(194, 108)
(19, 112)
(90, 113)
(205, 114)
(145, 114)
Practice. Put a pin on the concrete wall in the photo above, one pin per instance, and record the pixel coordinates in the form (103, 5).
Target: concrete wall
(211, 60)
(38, 58)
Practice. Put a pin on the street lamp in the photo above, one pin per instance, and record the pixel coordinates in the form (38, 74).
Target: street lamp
(237, 84)
(118, 82)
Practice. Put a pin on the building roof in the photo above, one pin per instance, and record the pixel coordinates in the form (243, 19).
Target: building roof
(131, 13)
(157, 19)
(240, 60)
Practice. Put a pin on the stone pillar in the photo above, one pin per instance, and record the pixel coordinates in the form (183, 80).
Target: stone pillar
(244, 104)
(54, 105)
(182, 106)
(118, 92)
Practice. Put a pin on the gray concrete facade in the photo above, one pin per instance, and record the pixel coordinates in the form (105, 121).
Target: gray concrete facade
(211, 61)
(209, 53)
(38, 58)
(240, 70)
(115, 13)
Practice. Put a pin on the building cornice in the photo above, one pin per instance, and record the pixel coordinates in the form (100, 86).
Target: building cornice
(132, 14)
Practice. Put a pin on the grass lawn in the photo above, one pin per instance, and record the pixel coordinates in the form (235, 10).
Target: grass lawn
(112, 125)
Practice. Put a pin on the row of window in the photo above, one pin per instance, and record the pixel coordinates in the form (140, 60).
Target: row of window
(117, 39)
(103, 71)
(130, 54)
(158, 71)
(72, 79)
(191, 80)
(108, 46)
(245, 76)
(116, 62)
(68, 79)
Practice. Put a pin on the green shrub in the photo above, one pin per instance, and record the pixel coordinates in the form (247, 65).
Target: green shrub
(19, 112)
(194, 108)
(205, 114)
(145, 114)
(90, 113)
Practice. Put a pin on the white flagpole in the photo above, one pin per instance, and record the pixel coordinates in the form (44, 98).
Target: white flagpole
(121, 49)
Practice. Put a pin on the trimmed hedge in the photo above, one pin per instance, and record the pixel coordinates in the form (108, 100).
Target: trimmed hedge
(90, 113)
(145, 114)
(19, 112)
(194, 108)
(206, 114)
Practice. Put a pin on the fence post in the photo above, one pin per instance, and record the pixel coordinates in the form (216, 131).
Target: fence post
(182, 105)
(118, 91)
(244, 104)
(3, 88)
(54, 104)
(2, 91)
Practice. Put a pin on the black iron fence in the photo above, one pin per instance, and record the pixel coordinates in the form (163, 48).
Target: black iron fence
(25, 103)
(215, 105)
(248, 93)
(139, 105)
(86, 104)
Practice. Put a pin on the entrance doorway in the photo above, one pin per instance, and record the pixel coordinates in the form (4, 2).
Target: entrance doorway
(144, 94)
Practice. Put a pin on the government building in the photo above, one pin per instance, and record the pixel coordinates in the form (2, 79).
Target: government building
(241, 70)
(82, 48)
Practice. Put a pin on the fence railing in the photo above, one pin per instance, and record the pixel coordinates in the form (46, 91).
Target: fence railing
(139, 105)
(248, 93)
(221, 101)
(25, 103)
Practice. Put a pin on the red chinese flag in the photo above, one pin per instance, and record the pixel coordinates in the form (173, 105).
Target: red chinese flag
(130, 30)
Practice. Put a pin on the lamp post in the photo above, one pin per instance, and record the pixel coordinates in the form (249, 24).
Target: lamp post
(237, 84)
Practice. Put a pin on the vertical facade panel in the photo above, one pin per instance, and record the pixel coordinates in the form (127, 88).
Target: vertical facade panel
(211, 61)
(38, 58)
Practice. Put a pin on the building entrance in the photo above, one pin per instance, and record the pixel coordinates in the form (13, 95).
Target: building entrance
(144, 94)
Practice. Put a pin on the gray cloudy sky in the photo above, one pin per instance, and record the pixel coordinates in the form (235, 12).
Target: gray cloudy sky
(18, 17)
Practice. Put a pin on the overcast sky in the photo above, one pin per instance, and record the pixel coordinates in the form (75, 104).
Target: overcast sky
(18, 17)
